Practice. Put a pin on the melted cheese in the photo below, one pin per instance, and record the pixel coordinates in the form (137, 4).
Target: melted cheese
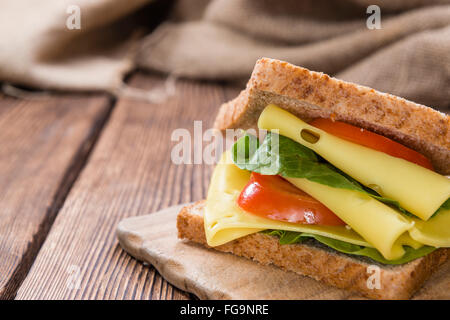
(225, 220)
(419, 190)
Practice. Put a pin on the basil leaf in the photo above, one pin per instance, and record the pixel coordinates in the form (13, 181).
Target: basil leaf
(290, 237)
(287, 237)
(279, 155)
(243, 151)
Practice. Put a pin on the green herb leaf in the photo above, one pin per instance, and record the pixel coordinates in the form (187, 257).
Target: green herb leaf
(290, 237)
(279, 155)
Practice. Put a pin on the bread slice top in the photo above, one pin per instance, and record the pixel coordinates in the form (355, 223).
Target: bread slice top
(310, 95)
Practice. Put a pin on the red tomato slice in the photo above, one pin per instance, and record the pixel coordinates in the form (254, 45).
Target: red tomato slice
(274, 198)
(371, 140)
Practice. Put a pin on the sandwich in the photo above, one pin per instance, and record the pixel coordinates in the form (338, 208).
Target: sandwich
(330, 180)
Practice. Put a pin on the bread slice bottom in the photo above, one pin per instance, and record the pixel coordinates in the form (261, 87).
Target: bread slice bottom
(318, 261)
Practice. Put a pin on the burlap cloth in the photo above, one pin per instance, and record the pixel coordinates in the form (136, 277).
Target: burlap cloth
(221, 39)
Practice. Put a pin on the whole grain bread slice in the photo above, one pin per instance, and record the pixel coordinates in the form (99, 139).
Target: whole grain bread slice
(317, 261)
(310, 95)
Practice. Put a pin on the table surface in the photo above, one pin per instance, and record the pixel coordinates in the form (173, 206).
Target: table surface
(72, 166)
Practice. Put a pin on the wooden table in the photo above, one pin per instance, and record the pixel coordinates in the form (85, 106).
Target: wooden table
(71, 167)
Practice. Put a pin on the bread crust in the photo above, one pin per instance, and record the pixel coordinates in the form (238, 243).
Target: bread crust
(326, 265)
(310, 95)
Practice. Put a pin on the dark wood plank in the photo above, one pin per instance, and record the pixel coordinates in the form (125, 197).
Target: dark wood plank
(129, 173)
(43, 145)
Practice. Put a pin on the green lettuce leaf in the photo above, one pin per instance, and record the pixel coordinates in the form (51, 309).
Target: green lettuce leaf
(279, 155)
(290, 237)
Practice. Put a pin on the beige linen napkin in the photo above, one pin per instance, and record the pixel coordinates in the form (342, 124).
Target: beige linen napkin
(409, 56)
(221, 40)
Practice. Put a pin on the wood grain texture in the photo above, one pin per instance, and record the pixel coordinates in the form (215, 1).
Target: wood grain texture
(129, 173)
(43, 145)
(211, 274)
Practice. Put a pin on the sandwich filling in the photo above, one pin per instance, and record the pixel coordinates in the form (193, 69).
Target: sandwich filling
(349, 189)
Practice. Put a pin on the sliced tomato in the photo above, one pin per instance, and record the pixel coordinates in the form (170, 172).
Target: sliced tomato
(371, 140)
(274, 198)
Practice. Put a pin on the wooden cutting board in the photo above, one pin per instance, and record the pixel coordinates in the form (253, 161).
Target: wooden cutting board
(211, 274)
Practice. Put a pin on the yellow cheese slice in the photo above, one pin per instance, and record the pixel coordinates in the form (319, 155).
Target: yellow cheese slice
(226, 221)
(377, 223)
(380, 226)
(418, 190)
(434, 232)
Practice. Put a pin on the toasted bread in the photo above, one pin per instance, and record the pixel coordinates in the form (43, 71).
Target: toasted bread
(310, 95)
(317, 261)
